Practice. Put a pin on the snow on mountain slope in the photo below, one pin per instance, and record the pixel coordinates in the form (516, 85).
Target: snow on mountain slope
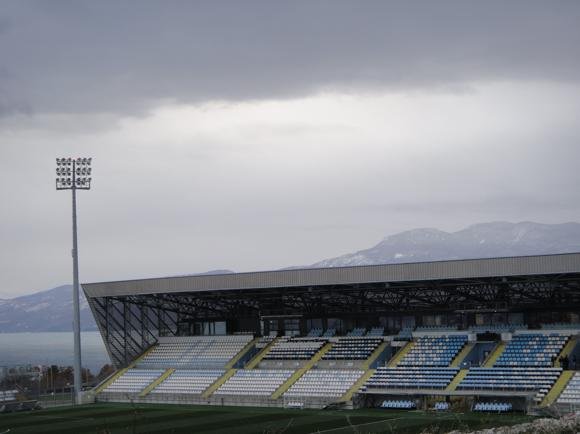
(484, 240)
(52, 310)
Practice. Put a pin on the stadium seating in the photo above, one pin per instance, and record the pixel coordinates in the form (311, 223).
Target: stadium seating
(399, 405)
(405, 334)
(314, 333)
(495, 407)
(134, 381)
(571, 394)
(324, 383)
(436, 328)
(497, 328)
(199, 361)
(561, 326)
(539, 380)
(532, 350)
(294, 349)
(411, 378)
(8, 395)
(359, 331)
(254, 382)
(328, 333)
(187, 381)
(194, 352)
(352, 348)
(434, 351)
(376, 331)
(264, 341)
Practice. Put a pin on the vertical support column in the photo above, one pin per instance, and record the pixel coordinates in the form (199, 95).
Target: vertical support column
(126, 359)
(76, 314)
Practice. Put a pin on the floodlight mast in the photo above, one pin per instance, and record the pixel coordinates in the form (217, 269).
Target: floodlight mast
(75, 174)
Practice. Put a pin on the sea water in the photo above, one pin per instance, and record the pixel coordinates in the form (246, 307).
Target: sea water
(52, 349)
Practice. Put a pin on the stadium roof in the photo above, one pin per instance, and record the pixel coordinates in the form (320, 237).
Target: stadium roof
(421, 271)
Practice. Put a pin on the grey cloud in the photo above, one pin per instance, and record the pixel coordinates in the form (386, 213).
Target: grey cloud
(259, 196)
(73, 56)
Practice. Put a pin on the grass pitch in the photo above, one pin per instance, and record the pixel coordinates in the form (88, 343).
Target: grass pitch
(173, 419)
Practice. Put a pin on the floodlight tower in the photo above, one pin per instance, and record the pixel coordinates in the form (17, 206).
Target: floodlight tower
(75, 174)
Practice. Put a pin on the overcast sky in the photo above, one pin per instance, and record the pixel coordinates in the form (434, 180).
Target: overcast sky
(251, 135)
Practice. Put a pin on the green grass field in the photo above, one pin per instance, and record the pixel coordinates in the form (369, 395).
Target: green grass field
(128, 419)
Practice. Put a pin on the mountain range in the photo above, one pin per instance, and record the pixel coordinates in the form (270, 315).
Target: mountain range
(51, 310)
(484, 240)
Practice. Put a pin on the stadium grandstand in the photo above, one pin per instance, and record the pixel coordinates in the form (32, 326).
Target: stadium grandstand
(486, 335)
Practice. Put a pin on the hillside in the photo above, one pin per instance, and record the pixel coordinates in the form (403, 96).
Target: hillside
(51, 310)
(485, 240)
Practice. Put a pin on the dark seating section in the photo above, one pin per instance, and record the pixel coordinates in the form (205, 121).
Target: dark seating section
(434, 351)
(519, 379)
(539, 380)
(264, 341)
(328, 333)
(294, 349)
(532, 350)
(376, 331)
(561, 326)
(435, 328)
(411, 378)
(496, 328)
(315, 333)
(352, 348)
(405, 334)
(359, 331)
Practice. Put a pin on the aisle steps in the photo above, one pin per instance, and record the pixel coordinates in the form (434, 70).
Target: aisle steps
(217, 383)
(376, 353)
(157, 382)
(557, 388)
(494, 355)
(300, 372)
(109, 381)
(396, 359)
(241, 354)
(258, 357)
(458, 378)
(566, 351)
(456, 363)
(357, 385)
